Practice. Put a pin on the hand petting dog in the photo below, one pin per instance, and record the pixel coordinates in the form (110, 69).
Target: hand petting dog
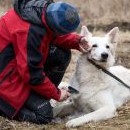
(84, 44)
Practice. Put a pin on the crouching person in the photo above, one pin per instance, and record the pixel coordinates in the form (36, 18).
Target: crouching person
(35, 41)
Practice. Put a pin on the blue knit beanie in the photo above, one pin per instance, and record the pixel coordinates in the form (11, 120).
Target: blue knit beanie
(62, 17)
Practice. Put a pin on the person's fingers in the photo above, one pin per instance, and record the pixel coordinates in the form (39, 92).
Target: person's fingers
(85, 46)
(64, 95)
(85, 43)
(64, 88)
(69, 94)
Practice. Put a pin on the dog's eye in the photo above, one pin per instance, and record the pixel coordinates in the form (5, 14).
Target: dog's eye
(95, 45)
(107, 46)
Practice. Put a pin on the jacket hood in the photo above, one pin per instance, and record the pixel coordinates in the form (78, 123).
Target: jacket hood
(31, 10)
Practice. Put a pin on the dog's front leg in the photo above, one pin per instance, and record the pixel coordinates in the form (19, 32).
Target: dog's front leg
(100, 114)
(104, 108)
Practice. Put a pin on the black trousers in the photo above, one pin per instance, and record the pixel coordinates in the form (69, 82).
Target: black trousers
(37, 109)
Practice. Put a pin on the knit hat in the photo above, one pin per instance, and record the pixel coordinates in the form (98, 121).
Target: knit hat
(62, 17)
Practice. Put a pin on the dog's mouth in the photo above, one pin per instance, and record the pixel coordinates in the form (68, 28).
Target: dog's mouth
(99, 61)
(103, 60)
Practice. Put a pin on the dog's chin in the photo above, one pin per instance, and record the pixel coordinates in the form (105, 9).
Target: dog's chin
(101, 62)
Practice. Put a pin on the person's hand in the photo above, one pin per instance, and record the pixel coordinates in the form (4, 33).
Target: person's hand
(64, 94)
(85, 46)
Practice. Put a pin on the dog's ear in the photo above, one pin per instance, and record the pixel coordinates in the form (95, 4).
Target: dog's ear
(113, 35)
(85, 32)
(84, 47)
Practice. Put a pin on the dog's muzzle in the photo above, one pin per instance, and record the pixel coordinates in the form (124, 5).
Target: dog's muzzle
(104, 57)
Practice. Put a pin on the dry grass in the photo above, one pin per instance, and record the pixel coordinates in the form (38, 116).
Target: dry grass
(103, 11)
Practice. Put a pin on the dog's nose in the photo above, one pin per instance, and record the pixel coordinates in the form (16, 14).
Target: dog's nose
(104, 55)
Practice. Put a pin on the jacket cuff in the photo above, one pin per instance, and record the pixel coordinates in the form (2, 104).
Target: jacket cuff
(57, 94)
(77, 40)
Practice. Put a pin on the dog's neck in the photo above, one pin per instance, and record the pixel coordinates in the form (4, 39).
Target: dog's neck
(84, 68)
(86, 71)
(98, 66)
(91, 65)
(88, 75)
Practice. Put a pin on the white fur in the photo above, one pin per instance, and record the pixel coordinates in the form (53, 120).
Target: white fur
(100, 95)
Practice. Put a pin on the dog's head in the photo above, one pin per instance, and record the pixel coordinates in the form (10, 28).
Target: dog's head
(102, 49)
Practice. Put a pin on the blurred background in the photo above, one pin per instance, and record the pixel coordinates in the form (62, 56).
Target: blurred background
(104, 14)
(99, 16)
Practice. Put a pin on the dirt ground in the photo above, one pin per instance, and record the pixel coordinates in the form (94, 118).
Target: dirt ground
(100, 17)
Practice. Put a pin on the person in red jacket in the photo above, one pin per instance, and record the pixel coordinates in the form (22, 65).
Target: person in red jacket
(35, 41)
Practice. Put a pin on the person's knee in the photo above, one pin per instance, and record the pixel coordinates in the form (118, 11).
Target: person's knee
(44, 119)
(44, 114)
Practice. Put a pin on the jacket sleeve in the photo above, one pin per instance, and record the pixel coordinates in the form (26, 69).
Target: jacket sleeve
(29, 64)
(68, 41)
(31, 10)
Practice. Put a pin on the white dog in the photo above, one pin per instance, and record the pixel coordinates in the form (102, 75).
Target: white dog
(100, 94)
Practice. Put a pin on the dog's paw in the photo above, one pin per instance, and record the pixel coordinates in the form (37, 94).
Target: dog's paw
(74, 123)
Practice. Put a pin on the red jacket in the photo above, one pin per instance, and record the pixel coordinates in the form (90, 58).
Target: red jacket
(23, 52)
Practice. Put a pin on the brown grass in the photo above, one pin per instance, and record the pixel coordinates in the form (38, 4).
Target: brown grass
(103, 11)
